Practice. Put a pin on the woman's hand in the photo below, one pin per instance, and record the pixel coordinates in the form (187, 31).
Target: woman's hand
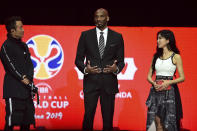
(165, 85)
(156, 86)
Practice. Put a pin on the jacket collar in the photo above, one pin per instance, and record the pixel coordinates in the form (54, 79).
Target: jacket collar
(9, 36)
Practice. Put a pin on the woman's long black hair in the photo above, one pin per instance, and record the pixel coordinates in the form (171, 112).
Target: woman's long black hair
(168, 35)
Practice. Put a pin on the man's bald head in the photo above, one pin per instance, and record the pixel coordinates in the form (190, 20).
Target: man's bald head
(104, 11)
(101, 18)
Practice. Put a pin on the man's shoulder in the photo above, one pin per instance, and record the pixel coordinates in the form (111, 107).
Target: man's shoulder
(115, 32)
(6, 43)
(89, 31)
(9, 44)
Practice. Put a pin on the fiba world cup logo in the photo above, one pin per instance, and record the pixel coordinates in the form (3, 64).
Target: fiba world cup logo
(47, 56)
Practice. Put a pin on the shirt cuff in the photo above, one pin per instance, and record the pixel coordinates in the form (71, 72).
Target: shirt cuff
(116, 72)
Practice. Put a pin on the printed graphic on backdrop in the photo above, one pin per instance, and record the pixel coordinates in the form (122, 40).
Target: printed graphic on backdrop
(47, 56)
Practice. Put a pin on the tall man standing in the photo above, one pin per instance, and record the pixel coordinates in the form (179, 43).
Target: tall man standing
(104, 53)
(19, 72)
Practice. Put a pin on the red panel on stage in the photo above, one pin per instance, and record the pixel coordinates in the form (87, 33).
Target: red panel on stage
(53, 50)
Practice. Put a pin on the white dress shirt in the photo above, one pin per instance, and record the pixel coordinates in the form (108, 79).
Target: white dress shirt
(105, 33)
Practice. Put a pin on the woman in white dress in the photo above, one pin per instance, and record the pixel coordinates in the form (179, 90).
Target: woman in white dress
(164, 102)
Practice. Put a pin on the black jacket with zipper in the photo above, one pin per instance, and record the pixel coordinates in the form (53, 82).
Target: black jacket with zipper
(15, 57)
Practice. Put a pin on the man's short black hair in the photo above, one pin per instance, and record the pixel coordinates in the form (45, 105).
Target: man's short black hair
(10, 23)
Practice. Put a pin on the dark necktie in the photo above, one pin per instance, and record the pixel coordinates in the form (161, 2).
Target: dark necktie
(101, 44)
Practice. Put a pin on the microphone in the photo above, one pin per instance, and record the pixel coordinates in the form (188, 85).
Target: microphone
(34, 91)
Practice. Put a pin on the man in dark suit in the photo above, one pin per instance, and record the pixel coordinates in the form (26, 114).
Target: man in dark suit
(104, 53)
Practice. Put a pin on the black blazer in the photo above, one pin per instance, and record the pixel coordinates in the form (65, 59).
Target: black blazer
(16, 60)
(88, 48)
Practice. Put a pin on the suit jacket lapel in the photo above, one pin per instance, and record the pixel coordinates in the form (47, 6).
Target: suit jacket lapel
(95, 43)
(109, 40)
